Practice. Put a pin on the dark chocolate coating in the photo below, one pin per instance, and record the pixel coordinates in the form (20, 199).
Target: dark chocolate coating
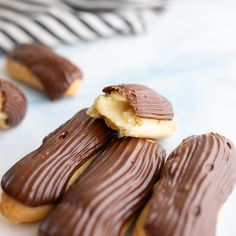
(110, 192)
(54, 72)
(14, 103)
(195, 181)
(146, 102)
(41, 177)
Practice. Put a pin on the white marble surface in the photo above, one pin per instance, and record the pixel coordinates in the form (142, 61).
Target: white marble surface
(190, 57)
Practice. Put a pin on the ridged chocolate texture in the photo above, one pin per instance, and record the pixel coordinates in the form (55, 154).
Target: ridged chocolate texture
(54, 72)
(42, 176)
(14, 103)
(109, 194)
(146, 102)
(196, 180)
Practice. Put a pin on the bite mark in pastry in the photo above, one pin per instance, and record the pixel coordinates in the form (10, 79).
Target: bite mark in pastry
(135, 110)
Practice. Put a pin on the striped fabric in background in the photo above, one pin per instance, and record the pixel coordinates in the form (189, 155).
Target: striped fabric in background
(54, 22)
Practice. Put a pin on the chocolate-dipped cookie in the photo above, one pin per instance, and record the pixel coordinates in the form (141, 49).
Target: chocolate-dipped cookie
(13, 105)
(38, 66)
(37, 182)
(135, 110)
(195, 181)
(104, 201)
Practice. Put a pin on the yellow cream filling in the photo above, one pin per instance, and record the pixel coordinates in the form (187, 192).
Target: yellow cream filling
(3, 116)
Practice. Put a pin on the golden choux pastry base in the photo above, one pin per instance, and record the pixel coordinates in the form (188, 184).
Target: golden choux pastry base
(139, 226)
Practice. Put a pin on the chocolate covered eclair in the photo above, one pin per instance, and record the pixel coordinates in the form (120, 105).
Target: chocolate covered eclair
(13, 105)
(135, 110)
(38, 181)
(105, 199)
(195, 181)
(38, 66)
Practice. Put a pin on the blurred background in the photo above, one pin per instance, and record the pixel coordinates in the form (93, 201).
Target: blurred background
(186, 52)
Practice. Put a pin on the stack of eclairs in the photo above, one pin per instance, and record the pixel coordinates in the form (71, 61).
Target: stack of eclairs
(104, 173)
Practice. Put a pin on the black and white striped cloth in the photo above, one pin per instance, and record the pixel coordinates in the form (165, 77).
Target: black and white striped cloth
(52, 22)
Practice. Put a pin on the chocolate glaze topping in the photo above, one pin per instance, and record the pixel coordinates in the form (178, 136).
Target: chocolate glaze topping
(146, 102)
(14, 103)
(41, 177)
(110, 192)
(195, 181)
(54, 72)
